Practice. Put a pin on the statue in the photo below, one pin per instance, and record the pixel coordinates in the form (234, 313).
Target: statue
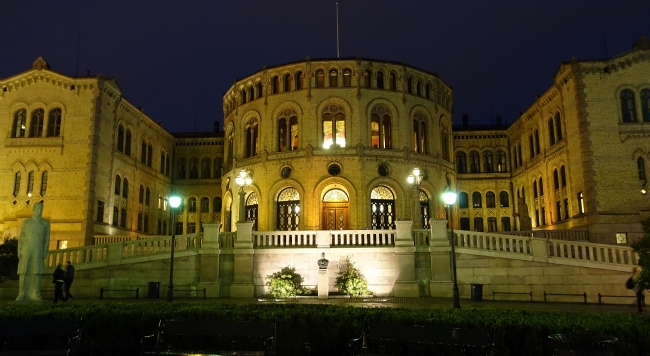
(525, 222)
(323, 263)
(33, 245)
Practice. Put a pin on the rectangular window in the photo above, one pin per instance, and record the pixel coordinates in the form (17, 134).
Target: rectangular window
(464, 224)
(566, 208)
(478, 224)
(621, 238)
(116, 214)
(558, 211)
(505, 224)
(537, 217)
(146, 223)
(492, 224)
(100, 211)
(123, 218)
(139, 222)
(581, 203)
(191, 228)
(159, 231)
(543, 216)
(179, 228)
(164, 228)
(61, 244)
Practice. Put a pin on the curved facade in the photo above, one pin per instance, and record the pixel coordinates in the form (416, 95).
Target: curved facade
(336, 139)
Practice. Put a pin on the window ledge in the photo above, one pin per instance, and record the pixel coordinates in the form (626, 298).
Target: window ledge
(34, 141)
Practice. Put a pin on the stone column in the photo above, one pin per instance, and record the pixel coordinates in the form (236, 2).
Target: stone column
(405, 284)
(209, 260)
(242, 286)
(440, 252)
(323, 283)
(539, 249)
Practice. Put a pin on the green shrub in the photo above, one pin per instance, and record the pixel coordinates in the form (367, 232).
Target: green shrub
(286, 284)
(642, 248)
(350, 281)
(9, 259)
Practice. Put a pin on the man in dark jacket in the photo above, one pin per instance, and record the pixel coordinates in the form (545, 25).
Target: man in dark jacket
(58, 280)
(69, 277)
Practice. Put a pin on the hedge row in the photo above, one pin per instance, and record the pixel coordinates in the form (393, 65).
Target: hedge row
(116, 328)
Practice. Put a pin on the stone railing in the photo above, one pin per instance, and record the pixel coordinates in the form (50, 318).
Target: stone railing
(421, 237)
(362, 238)
(586, 251)
(566, 235)
(163, 244)
(77, 255)
(108, 239)
(284, 239)
(493, 242)
(227, 239)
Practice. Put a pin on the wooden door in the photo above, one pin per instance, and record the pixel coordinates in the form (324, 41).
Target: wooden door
(335, 216)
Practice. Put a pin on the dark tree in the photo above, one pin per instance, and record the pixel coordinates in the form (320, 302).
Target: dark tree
(9, 259)
(642, 248)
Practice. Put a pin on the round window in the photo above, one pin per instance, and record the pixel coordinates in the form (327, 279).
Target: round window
(382, 170)
(286, 172)
(334, 169)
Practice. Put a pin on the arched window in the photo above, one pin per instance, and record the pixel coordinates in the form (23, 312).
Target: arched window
(217, 204)
(162, 162)
(380, 127)
(17, 184)
(125, 188)
(409, 86)
(563, 176)
(120, 138)
(44, 183)
(147, 196)
(392, 81)
(427, 89)
(181, 169)
(474, 162)
(118, 184)
(288, 82)
(334, 76)
(461, 162)
(143, 152)
(551, 132)
(54, 123)
(251, 138)
(36, 127)
(501, 161)
(347, 78)
(645, 105)
(558, 126)
(380, 80)
(488, 163)
(541, 187)
(535, 189)
(127, 143)
(20, 122)
(205, 168)
(275, 82)
(476, 200)
(288, 210)
(556, 180)
(205, 205)
(463, 200)
(252, 204)
(382, 208)
(333, 126)
(532, 146)
(628, 108)
(258, 90)
(217, 168)
(300, 80)
(141, 196)
(367, 79)
(490, 200)
(641, 165)
(320, 79)
(514, 157)
(504, 200)
(149, 155)
(418, 90)
(242, 94)
(167, 165)
(194, 168)
(288, 130)
(420, 133)
(521, 160)
(191, 205)
(424, 209)
(30, 183)
(537, 147)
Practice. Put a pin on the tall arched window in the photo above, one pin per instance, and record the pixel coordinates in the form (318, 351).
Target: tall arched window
(20, 122)
(382, 208)
(333, 126)
(149, 155)
(127, 142)
(641, 165)
(427, 90)
(243, 96)
(551, 132)
(537, 145)
(347, 78)
(490, 200)
(191, 205)
(320, 79)
(424, 209)
(118, 184)
(420, 133)
(556, 180)
(123, 218)
(504, 200)
(141, 195)
(392, 81)
(147, 196)
(125, 188)
(162, 162)
(251, 137)
(558, 126)
(181, 169)
(205, 168)
(217, 204)
(444, 134)
(334, 76)
(258, 90)
(541, 187)
(532, 146)
(488, 162)
(36, 126)
(217, 168)
(463, 200)
(275, 81)
(17, 184)
(535, 189)
(380, 127)
(288, 130)
(380, 80)
(367, 79)
(205, 205)
(474, 162)
(194, 168)
(252, 204)
(502, 166)
(645, 105)
(143, 152)
(461, 162)
(120, 138)
(288, 209)
(409, 86)
(418, 90)
(44, 177)
(54, 123)
(167, 165)
(288, 82)
(628, 109)
(563, 176)
(476, 200)
(300, 80)
(30, 182)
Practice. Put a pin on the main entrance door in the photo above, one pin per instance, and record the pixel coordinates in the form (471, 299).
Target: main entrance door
(335, 211)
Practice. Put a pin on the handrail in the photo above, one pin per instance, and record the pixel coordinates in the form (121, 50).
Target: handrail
(593, 252)
(489, 241)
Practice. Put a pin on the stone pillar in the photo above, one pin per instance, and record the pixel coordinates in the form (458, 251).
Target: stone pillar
(209, 260)
(405, 284)
(242, 286)
(114, 253)
(440, 252)
(539, 249)
(323, 283)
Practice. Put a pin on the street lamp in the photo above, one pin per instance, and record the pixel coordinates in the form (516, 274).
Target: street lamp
(244, 179)
(174, 202)
(415, 179)
(449, 197)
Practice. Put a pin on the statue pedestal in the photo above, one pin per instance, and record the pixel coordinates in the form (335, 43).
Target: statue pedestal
(323, 284)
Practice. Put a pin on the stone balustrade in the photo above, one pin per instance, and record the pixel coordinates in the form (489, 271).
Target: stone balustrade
(492, 242)
(592, 252)
(279, 239)
(361, 238)
(566, 235)
(143, 247)
(421, 237)
(77, 255)
(227, 239)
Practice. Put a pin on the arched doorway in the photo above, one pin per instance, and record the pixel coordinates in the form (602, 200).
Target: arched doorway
(336, 214)
(288, 210)
(251, 209)
(382, 208)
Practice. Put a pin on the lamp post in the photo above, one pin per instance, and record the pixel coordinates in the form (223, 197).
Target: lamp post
(415, 179)
(174, 202)
(449, 197)
(244, 179)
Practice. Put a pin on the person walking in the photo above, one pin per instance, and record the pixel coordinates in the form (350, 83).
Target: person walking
(69, 277)
(638, 288)
(58, 280)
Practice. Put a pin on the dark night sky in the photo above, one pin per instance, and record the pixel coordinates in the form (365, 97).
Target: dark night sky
(177, 58)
